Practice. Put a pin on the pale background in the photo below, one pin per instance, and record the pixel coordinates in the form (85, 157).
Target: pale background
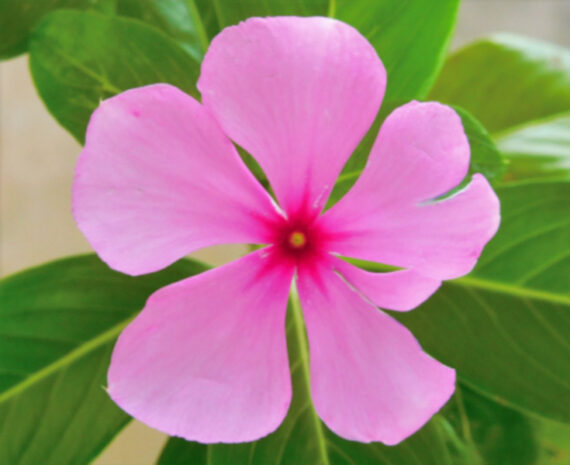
(37, 158)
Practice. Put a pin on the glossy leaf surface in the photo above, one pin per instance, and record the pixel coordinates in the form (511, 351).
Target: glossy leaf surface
(540, 149)
(506, 80)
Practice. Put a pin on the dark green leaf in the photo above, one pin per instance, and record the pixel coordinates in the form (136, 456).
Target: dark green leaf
(505, 327)
(506, 80)
(77, 59)
(18, 18)
(485, 157)
(491, 434)
(59, 323)
(303, 438)
(410, 36)
(540, 149)
(209, 18)
(179, 19)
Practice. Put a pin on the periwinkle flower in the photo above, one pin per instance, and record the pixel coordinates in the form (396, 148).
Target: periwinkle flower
(206, 359)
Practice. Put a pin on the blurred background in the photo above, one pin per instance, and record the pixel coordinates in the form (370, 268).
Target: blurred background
(36, 225)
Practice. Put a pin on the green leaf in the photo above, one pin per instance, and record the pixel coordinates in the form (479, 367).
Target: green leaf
(554, 441)
(485, 157)
(540, 149)
(491, 434)
(77, 59)
(208, 16)
(505, 326)
(18, 18)
(506, 80)
(59, 323)
(303, 438)
(179, 19)
(411, 37)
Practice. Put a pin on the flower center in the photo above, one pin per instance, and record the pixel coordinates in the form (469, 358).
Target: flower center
(297, 239)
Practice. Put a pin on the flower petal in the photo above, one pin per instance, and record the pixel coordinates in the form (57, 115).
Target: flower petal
(421, 152)
(441, 240)
(207, 357)
(401, 290)
(370, 379)
(298, 94)
(157, 179)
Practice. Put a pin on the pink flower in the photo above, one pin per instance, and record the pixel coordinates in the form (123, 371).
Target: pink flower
(159, 178)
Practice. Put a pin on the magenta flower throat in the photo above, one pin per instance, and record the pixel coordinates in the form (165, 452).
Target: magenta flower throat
(206, 359)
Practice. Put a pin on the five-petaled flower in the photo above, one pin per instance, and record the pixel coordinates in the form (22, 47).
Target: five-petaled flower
(206, 359)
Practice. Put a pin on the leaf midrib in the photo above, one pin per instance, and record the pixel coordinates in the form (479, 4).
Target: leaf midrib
(77, 353)
(510, 289)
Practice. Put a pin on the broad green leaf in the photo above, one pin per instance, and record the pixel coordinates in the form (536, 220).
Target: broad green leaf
(59, 323)
(303, 438)
(485, 157)
(77, 59)
(410, 36)
(18, 18)
(506, 80)
(489, 433)
(179, 19)
(505, 326)
(540, 149)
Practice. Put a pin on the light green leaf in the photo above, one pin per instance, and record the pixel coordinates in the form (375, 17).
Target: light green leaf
(18, 18)
(59, 323)
(554, 442)
(505, 326)
(77, 59)
(411, 37)
(540, 149)
(506, 80)
(179, 19)
(303, 438)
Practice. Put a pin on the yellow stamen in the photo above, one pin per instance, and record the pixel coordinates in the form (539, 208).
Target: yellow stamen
(297, 239)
